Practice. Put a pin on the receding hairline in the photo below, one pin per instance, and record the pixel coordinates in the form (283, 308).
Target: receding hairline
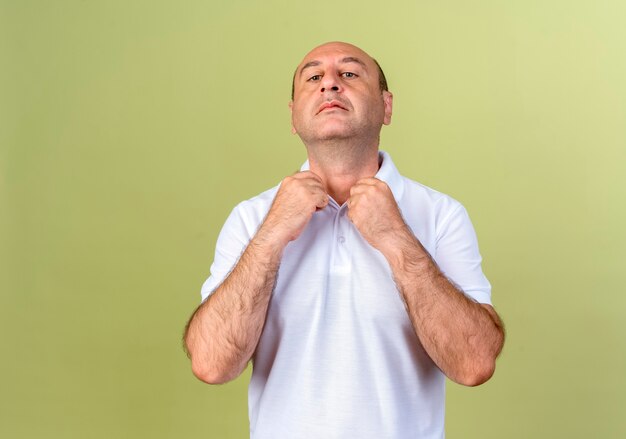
(382, 80)
(345, 60)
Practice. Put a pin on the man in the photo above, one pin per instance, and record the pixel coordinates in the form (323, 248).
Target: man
(353, 290)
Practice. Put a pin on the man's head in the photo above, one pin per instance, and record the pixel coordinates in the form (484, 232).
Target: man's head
(339, 92)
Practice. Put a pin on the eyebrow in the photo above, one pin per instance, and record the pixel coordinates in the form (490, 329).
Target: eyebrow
(347, 59)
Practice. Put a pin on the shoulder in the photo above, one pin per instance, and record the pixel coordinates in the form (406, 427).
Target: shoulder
(428, 200)
(250, 213)
(259, 202)
(243, 222)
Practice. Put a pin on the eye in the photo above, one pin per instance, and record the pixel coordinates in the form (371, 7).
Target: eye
(315, 78)
(349, 75)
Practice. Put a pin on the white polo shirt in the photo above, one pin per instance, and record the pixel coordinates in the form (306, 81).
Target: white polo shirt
(338, 356)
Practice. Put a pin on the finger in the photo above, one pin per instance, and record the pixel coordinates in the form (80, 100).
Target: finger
(358, 189)
(350, 214)
(308, 174)
(352, 201)
(370, 181)
(298, 183)
(314, 184)
(311, 179)
(317, 192)
(374, 187)
(322, 201)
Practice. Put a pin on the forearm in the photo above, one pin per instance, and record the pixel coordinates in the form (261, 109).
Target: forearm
(461, 336)
(224, 331)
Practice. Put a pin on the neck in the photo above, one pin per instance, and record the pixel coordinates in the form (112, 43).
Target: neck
(340, 166)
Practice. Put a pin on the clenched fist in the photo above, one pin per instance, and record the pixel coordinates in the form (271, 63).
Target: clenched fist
(374, 212)
(298, 197)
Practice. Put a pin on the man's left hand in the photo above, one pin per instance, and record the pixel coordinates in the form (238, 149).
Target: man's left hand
(375, 213)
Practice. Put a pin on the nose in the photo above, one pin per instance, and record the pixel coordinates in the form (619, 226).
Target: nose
(329, 83)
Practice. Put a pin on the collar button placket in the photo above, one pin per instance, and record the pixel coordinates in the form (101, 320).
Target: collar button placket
(341, 228)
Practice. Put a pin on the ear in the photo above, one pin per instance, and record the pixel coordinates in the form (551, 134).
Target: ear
(388, 101)
(293, 129)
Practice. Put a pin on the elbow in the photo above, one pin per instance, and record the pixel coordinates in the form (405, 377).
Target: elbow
(477, 375)
(204, 369)
(476, 369)
(480, 368)
(211, 375)
(205, 374)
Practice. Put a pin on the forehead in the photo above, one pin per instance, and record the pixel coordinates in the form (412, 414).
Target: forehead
(335, 52)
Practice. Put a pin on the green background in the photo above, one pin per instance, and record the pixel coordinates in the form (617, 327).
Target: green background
(129, 130)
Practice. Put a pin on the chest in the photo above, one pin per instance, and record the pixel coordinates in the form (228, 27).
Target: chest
(332, 276)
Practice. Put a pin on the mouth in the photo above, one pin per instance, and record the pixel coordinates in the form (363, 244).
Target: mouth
(331, 105)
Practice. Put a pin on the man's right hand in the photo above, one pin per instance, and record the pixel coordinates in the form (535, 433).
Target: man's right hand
(297, 199)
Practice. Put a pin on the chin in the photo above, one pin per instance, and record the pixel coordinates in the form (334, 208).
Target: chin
(329, 130)
(333, 136)
(335, 131)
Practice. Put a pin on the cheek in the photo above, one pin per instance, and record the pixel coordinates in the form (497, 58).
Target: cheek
(376, 107)
(297, 114)
(296, 111)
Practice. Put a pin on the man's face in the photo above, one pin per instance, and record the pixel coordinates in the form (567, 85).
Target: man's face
(337, 95)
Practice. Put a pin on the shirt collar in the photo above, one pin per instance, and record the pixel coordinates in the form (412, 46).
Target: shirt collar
(387, 173)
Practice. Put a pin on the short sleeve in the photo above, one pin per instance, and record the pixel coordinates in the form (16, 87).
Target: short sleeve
(458, 256)
(231, 242)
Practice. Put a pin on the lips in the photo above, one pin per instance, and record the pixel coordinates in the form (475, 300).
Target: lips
(330, 105)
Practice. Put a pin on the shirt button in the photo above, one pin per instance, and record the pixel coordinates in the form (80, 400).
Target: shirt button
(341, 240)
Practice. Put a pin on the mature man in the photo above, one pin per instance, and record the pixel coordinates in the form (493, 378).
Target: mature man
(353, 290)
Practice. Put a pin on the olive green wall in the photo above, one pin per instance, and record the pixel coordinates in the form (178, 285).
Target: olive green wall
(129, 129)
